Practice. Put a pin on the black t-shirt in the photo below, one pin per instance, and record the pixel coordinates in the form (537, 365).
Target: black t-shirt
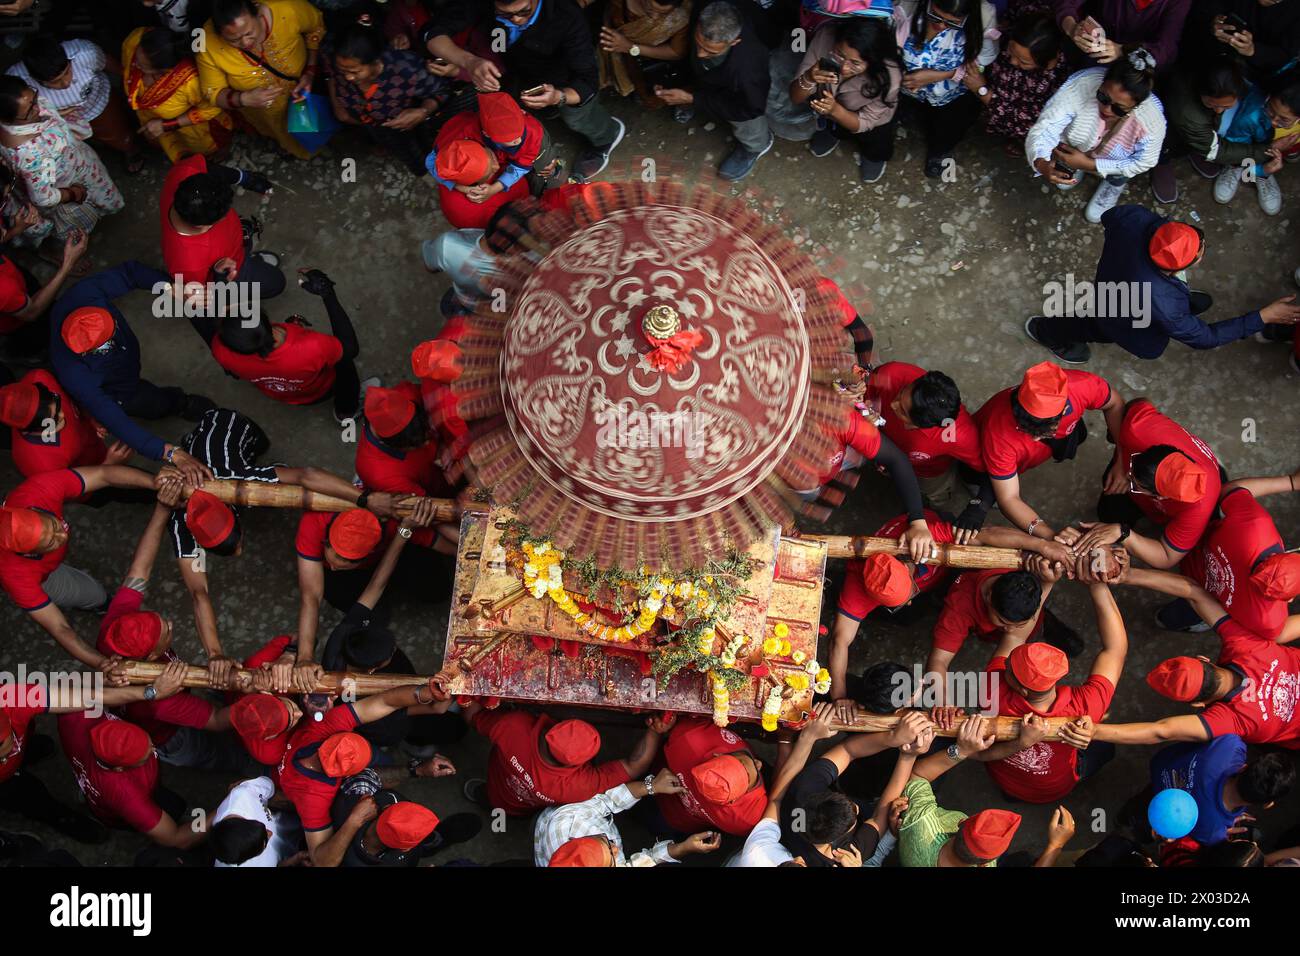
(367, 784)
(815, 779)
(387, 731)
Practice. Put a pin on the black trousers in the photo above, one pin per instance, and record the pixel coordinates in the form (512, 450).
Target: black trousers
(1060, 331)
(876, 145)
(942, 126)
(150, 401)
(422, 574)
(25, 794)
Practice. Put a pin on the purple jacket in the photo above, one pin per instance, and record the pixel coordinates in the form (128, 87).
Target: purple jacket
(1156, 27)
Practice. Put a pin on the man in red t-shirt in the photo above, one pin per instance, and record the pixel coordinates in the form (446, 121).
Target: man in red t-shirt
(536, 762)
(322, 753)
(1037, 420)
(21, 791)
(397, 451)
(467, 166)
(202, 237)
(924, 417)
(34, 542)
(117, 771)
(290, 363)
(49, 431)
(25, 305)
(1159, 470)
(1252, 690)
(884, 580)
(437, 363)
(722, 780)
(1027, 679)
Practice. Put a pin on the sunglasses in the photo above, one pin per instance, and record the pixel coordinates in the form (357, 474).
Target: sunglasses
(1104, 99)
(935, 18)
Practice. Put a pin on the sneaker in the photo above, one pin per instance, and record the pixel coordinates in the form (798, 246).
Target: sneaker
(934, 166)
(1167, 619)
(740, 162)
(1226, 183)
(195, 407)
(1269, 194)
(1103, 199)
(272, 259)
(870, 170)
(1164, 183)
(1075, 353)
(595, 158)
(457, 828)
(1206, 168)
(475, 791)
(683, 114)
(1060, 635)
(823, 143)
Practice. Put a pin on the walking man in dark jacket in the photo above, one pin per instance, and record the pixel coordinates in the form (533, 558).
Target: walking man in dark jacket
(729, 82)
(1140, 299)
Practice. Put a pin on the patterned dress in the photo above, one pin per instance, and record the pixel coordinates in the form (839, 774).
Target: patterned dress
(55, 159)
(174, 94)
(1019, 96)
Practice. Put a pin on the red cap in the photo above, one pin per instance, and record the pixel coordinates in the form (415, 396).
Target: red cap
(87, 328)
(840, 304)
(463, 162)
(1174, 246)
(1043, 392)
(1038, 666)
(209, 518)
(887, 579)
(720, 780)
(1178, 678)
(1180, 479)
(438, 360)
(582, 851)
(405, 825)
(259, 716)
(132, 635)
(344, 754)
(117, 743)
(19, 403)
(1278, 577)
(573, 742)
(388, 411)
(354, 534)
(500, 117)
(20, 530)
(988, 834)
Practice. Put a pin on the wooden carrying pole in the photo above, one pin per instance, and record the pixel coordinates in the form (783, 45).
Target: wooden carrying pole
(1006, 728)
(331, 682)
(260, 494)
(950, 555)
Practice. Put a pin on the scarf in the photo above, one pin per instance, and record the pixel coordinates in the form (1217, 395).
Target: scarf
(513, 31)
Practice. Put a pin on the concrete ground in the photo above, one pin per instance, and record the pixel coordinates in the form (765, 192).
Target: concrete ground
(951, 270)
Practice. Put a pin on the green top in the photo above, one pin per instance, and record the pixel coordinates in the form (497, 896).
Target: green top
(926, 826)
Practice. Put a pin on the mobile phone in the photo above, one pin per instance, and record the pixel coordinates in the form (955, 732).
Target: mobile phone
(1092, 29)
(1234, 24)
(535, 91)
(440, 61)
(1063, 169)
(830, 63)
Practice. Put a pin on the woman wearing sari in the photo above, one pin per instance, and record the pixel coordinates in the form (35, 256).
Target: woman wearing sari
(637, 31)
(259, 58)
(162, 85)
(63, 177)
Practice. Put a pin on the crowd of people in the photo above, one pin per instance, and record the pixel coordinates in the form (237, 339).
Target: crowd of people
(469, 93)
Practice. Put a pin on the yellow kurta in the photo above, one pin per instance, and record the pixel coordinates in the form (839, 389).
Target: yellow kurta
(177, 93)
(296, 28)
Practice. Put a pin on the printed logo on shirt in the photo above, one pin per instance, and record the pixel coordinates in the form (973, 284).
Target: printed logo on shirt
(1219, 579)
(74, 909)
(1036, 760)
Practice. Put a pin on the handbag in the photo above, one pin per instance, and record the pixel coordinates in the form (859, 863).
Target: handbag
(312, 121)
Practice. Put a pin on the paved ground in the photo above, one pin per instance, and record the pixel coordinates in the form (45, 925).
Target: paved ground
(898, 244)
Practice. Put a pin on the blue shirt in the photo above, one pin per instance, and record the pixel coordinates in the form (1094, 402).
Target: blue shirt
(1202, 770)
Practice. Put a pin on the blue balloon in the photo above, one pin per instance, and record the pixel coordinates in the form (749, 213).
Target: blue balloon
(1172, 813)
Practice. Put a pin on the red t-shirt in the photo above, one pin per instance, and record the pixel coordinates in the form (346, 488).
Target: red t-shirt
(1230, 549)
(691, 742)
(13, 295)
(964, 612)
(520, 780)
(858, 433)
(115, 797)
(930, 450)
(1263, 708)
(23, 576)
(77, 444)
(1184, 522)
(312, 791)
(22, 704)
(313, 532)
(1008, 451)
(297, 372)
(1047, 771)
(854, 601)
(410, 471)
(192, 257)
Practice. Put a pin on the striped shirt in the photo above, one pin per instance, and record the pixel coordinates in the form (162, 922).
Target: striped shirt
(229, 444)
(926, 826)
(556, 826)
(87, 95)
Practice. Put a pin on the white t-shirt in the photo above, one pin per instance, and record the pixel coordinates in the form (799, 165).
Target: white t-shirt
(248, 800)
(763, 847)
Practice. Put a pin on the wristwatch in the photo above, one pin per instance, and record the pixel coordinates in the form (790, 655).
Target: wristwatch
(955, 754)
(404, 532)
(982, 91)
(151, 693)
(634, 50)
(649, 785)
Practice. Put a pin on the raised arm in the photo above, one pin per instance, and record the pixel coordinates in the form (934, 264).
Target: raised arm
(1114, 636)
